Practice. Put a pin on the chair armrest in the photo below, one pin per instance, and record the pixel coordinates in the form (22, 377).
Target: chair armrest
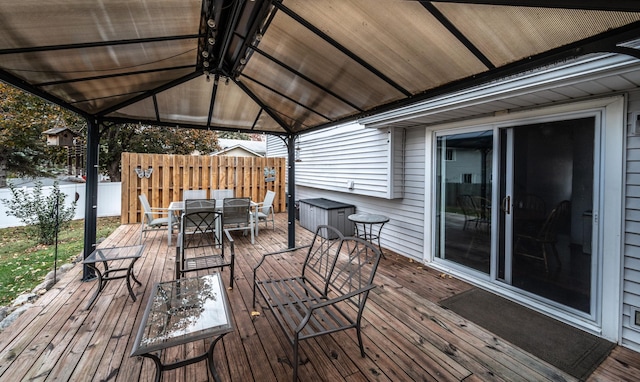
(255, 268)
(331, 301)
(232, 245)
(159, 211)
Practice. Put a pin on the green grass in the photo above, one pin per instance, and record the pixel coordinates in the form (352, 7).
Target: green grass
(24, 263)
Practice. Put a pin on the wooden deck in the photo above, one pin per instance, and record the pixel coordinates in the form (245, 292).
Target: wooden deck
(407, 335)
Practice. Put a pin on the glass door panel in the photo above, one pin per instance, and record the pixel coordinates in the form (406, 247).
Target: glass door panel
(463, 199)
(548, 198)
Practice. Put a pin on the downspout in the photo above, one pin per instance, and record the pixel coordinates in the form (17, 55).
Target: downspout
(91, 195)
(291, 189)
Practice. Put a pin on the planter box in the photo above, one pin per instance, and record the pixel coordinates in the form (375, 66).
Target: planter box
(314, 212)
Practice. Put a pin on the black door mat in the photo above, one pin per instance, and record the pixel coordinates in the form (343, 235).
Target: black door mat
(574, 351)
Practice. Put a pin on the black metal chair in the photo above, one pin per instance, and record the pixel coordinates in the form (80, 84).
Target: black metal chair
(537, 246)
(327, 296)
(201, 242)
(237, 214)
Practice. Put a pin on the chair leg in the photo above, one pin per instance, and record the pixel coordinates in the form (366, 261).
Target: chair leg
(545, 258)
(295, 360)
(360, 341)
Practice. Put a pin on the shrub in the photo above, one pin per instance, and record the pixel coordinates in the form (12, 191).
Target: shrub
(38, 211)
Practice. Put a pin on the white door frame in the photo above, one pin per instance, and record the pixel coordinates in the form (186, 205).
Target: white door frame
(608, 307)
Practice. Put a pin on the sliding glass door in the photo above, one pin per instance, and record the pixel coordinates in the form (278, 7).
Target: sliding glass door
(528, 224)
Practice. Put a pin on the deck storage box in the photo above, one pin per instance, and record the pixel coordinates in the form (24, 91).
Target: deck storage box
(314, 212)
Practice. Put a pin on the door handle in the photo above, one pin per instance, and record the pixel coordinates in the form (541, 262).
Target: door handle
(506, 205)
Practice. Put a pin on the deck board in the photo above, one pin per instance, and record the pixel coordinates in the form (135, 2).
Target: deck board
(406, 333)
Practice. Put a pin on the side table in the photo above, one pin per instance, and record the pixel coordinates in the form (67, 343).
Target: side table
(106, 255)
(183, 311)
(365, 227)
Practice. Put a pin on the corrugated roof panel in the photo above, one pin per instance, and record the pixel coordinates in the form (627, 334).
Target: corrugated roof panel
(307, 53)
(287, 108)
(36, 23)
(401, 39)
(507, 33)
(76, 64)
(188, 102)
(282, 81)
(233, 107)
(143, 109)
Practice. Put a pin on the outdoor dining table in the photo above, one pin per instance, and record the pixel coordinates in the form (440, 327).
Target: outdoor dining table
(176, 208)
(183, 311)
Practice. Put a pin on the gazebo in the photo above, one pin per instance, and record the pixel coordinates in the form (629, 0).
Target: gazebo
(283, 67)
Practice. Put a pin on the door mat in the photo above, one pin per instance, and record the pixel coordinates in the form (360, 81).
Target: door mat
(574, 351)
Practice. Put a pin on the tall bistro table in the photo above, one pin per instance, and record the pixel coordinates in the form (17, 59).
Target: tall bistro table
(365, 227)
(106, 255)
(176, 208)
(183, 311)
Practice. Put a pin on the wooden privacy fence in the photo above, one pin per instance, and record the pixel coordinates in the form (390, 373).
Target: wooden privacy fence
(163, 178)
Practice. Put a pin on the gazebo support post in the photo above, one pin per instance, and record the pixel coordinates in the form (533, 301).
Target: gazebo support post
(291, 190)
(91, 195)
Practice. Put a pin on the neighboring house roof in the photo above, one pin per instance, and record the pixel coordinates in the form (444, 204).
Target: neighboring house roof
(238, 151)
(255, 148)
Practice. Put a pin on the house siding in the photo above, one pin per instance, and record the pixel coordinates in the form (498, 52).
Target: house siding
(631, 262)
(355, 153)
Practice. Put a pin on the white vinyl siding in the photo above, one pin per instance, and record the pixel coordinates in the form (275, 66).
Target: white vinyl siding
(404, 233)
(631, 262)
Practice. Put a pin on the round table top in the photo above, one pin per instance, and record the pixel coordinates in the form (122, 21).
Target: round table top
(368, 218)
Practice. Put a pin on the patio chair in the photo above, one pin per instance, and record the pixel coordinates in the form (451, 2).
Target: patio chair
(201, 244)
(264, 210)
(237, 213)
(194, 194)
(222, 194)
(465, 202)
(328, 294)
(192, 206)
(153, 219)
(537, 246)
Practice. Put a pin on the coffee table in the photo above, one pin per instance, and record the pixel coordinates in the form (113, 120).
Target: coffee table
(107, 255)
(183, 311)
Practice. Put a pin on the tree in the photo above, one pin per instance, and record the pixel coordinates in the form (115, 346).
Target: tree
(23, 148)
(24, 151)
(152, 140)
(44, 215)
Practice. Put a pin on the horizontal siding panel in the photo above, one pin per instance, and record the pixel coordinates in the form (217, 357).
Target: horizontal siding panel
(633, 215)
(633, 141)
(632, 226)
(632, 251)
(632, 275)
(632, 263)
(633, 179)
(633, 239)
(632, 203)
(633, 154)
(632, 293)
(633, 167)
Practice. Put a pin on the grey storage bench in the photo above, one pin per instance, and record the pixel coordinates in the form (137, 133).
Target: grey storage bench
(327, 295)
